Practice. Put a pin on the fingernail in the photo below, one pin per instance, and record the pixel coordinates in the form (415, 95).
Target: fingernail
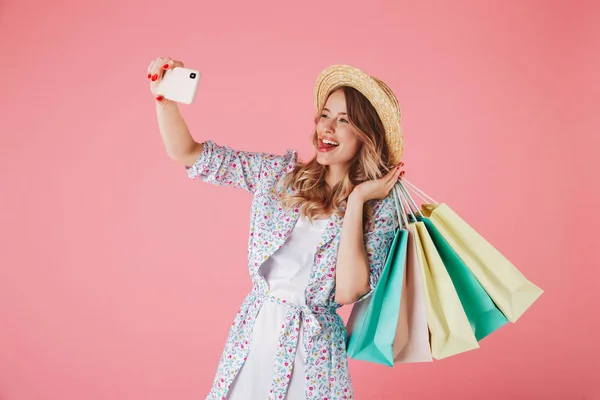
(166, 66)
(154, 77)
(401, 164)
(149, 76)
(398, 167)
(401, 173)
(159, 97)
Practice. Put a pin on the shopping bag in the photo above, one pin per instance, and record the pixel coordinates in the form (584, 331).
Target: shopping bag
(401, 337)
(412, 336)
(510, 290)
(373, 322)
(482, 313)
(449, 326)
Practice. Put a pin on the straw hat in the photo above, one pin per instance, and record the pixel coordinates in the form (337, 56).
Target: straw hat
(379, 95)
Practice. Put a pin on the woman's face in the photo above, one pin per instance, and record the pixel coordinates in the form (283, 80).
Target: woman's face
(333, 125)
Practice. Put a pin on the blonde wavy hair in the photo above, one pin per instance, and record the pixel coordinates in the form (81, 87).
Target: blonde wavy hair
(308, 188)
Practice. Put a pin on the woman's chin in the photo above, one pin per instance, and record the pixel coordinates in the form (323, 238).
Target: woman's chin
(323, 158)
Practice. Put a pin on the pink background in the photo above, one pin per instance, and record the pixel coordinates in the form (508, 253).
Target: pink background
(119, 277)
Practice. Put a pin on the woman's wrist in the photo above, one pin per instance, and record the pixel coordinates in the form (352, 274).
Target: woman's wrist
(164, 103)
(356, 197)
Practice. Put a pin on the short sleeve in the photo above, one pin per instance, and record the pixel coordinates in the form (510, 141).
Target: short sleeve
(225, 166)
(378, 237)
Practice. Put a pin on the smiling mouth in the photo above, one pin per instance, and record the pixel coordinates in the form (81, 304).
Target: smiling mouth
(328, 142)
(323, 147)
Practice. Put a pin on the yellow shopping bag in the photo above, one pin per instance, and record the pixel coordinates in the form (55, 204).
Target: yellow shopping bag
(449, 326)
(506, 285)
(510, 290)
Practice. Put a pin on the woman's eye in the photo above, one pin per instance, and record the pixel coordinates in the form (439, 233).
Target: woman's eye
(342, 119)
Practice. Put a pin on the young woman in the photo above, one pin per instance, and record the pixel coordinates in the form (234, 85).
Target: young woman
(319, 234)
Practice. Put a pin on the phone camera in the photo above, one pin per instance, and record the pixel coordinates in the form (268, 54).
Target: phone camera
(193, 75)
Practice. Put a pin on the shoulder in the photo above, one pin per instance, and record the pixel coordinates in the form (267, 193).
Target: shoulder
(384, 214)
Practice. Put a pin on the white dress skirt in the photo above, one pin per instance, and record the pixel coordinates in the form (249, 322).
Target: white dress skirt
(287, 272)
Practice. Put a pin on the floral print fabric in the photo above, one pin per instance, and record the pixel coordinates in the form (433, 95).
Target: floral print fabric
(327, 376)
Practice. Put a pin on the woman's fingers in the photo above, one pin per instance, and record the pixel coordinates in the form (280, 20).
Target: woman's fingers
(156, 71)
(170, 64)
(150, 69)
(393, 175)
(401, 171)
(157, 68)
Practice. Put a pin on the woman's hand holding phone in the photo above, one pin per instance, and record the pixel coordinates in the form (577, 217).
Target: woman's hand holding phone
(156, 71)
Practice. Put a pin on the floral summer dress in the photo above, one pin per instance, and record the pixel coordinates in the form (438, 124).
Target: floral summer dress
(315, 320)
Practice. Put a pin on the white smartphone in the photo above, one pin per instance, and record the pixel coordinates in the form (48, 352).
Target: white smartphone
(179, 84)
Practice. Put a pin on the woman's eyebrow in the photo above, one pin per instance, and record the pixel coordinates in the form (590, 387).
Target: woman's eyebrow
(342, 113)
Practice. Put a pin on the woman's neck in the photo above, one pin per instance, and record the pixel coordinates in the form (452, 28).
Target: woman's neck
(334, 174)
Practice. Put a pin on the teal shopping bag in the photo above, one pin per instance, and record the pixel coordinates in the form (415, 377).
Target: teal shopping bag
(375, 319)
(482, 313)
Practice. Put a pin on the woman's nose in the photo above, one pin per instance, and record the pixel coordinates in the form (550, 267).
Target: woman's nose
(329, 125)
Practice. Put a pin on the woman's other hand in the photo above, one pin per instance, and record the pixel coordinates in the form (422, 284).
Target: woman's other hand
(378, 188)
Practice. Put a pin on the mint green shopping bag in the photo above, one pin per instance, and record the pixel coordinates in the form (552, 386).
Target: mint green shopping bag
(482, 313)
(373, 321)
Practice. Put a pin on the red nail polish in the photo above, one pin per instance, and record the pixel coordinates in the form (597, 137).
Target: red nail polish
(154, 77)
(166, 66)
(159, 98)
(149, 76)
